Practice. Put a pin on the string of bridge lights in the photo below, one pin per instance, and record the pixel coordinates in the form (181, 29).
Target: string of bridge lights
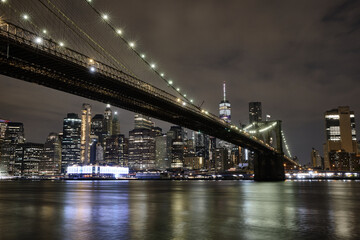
(119, 32)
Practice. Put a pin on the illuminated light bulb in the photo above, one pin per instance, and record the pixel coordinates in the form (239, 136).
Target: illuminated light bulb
(38, 40)
(92, 69)
(25, 16)
(184, 103)
(107, 105)
(115, 112)
(142, 55)
(184, 95)
(206, 112)
(170, 82)
(3, 1)
(178, 89)
(119, 31)
(105, 16)
(202, 110)
(61, 44)
(88, 0)
(191, 100)
(44, 31)
(161, 74)
(91, 60)
(131, 44)
(153, 65)
(178, 99)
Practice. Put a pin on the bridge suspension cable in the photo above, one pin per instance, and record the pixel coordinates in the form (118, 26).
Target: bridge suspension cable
(285, 143)
(142, 56)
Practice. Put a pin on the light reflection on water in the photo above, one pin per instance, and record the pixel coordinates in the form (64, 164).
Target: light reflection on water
(179, 210)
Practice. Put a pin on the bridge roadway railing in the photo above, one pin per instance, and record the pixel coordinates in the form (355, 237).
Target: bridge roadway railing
(24, 36)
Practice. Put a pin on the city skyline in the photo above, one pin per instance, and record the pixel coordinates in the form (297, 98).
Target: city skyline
(304, 83)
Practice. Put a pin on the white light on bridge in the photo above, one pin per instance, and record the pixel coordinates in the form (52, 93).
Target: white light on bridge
(92, 69)
(105, 16)
(38, 40)
(153, 65)
(184, 95)
(162, 74)
(142, 55)
(178, 89)
(191, 100)
(44, 31)
(184, 103)
(170, 82)
(91, 60)
(3, 1)
(25, 16)
(132, 44)
(88, 0)
(178, 99)
(119, 31)
(61, 44)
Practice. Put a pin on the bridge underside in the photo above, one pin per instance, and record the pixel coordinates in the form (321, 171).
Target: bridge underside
(21, 61)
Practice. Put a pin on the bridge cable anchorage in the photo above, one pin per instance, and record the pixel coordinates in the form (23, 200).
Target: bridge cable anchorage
(285, 143)
(78, 28)
(142, 56)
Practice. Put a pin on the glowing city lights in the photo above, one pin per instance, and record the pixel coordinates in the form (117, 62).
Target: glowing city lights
(105, 17)
(38, 40)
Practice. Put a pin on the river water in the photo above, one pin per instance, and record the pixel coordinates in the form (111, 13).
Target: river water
(180, 210)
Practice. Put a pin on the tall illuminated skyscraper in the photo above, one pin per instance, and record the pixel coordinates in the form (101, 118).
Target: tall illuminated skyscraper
(85, 133)
(71, 141)
(225, 107)
(108, 121)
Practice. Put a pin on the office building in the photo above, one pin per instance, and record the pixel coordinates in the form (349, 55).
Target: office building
(115, 124)
(163, 151)
(71, 141)
(27, 159)
(108, 121)
(115, 153)
(51, 158)
(85, 134)
(14, 135)
(255, 112)
(143, 122)
(340, 149)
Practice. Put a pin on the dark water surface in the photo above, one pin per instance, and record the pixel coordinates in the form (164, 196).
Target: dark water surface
(179, 210)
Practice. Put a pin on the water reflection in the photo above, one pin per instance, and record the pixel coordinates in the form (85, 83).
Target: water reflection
(179, 210)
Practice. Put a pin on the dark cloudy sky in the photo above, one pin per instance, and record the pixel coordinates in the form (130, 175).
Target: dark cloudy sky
(299, 58)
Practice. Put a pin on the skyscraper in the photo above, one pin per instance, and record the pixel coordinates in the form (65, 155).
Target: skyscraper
(115, 124)
(225, 107)
(108, 120)
(255, 113)
(142, 143)
(98, 127)
(50, 164)
(14, 135)
(28, 157)
(85, 133)
(71, 141)
(142, 121)
(340, 148)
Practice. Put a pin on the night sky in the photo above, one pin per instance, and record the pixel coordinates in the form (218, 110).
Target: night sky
(299, 58)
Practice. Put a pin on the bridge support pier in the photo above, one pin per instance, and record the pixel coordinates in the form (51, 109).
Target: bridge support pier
(269, 167)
